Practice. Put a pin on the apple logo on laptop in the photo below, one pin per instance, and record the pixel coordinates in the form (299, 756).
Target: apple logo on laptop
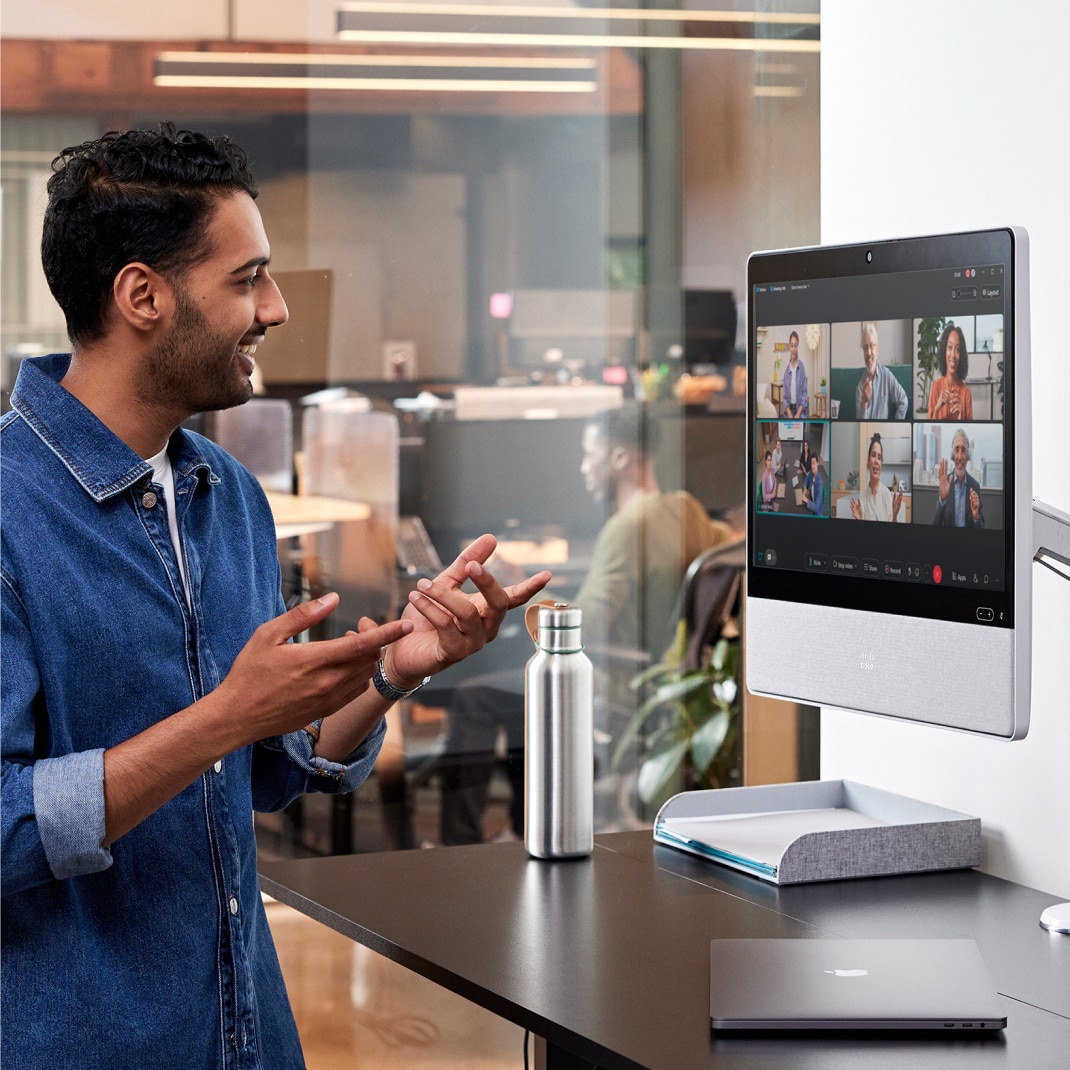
(848, 973)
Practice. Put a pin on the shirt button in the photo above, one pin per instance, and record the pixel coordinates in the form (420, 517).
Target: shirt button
(233, 905)
(218, 767)
(148, 499)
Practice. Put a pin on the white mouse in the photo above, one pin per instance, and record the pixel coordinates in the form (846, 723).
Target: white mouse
(1056, 918)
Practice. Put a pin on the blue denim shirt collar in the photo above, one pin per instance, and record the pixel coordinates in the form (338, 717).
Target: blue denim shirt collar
(100, 461)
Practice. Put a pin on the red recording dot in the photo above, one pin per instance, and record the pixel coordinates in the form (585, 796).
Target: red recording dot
(938, 573)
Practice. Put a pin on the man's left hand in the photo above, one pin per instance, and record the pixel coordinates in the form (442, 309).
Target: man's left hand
(451, 624)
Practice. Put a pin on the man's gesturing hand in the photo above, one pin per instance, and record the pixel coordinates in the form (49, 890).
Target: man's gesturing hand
(282, 686)
(449, 624)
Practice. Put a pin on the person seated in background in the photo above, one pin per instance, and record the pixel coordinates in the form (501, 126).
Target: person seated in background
(796, 399)
(950, 397)
(878, 389)
(876, 501)
(627, 598)
(769, 484)
(778, 459)
(959, 501)
(814, 490)
(804, 458)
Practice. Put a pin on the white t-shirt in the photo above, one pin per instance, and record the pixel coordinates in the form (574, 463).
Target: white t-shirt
(163, 475)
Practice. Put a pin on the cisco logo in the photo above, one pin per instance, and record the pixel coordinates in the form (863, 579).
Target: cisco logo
(868, 661)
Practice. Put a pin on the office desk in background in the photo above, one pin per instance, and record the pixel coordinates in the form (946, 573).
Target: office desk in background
(607, 958)
(305, 514)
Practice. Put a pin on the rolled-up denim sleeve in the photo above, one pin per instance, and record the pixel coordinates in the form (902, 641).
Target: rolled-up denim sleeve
(52, 808)
(68, 799)
(285, 767)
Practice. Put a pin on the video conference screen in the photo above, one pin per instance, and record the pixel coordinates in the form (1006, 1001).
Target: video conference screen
(881, 465)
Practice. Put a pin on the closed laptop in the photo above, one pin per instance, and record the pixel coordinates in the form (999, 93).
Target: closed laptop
(795, 984)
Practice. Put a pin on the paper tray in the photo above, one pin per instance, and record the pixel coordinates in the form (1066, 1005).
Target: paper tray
(818, 831)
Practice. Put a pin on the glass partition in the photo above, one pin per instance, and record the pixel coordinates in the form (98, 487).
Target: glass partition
(492, 224)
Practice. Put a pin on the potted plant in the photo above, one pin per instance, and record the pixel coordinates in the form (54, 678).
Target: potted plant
(824, 382)
(690, 720)
(929, 331)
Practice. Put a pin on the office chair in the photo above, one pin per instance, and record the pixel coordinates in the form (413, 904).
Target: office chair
(259, 434)
(710, 597)
(352, 454)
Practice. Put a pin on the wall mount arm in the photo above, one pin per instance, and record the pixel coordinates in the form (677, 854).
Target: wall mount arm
(1051, 538)
(1051, 547)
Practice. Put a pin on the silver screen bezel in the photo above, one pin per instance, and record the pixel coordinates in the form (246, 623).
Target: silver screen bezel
(900, 664)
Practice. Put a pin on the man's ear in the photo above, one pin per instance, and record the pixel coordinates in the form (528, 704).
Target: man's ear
(142, 296)
(620, 457)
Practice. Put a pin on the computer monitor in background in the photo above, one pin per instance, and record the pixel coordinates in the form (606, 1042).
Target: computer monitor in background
(709, 327)
(889, 568)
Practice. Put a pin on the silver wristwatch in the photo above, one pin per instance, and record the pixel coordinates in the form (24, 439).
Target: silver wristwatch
(387, 689)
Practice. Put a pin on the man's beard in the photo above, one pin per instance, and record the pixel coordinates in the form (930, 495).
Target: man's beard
(194, 368)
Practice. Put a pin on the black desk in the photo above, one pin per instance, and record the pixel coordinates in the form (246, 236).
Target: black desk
(607, 958)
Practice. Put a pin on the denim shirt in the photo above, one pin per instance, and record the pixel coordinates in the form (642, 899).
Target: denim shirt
(154, 952)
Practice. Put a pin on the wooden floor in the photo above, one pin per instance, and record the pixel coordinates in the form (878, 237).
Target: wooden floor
(356, 1010)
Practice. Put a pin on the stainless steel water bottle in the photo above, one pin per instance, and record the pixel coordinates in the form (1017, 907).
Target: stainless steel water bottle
(558, 736)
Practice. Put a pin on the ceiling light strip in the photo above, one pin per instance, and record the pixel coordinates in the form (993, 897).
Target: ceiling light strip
(457, 85)
(328, 59)
(778, 91)
(533, 11)
(300, 73)
(520, 40)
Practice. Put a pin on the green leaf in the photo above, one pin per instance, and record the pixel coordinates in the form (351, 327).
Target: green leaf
(638, 719)
(707, 741)
(656, 771)
(648, 674)
(671, 690)
(720, 655)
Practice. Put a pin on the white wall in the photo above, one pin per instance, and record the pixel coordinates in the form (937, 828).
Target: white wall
(967, 80)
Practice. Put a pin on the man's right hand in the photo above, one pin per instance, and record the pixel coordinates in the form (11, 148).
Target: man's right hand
(273, 687)
(945, 479)
(279, 686)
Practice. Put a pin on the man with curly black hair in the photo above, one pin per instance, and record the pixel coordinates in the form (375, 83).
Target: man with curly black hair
(152, 697)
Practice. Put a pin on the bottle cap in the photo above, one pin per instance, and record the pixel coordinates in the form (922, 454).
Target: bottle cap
(554, 626)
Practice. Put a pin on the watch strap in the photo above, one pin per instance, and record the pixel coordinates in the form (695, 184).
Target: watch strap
(389, 690)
